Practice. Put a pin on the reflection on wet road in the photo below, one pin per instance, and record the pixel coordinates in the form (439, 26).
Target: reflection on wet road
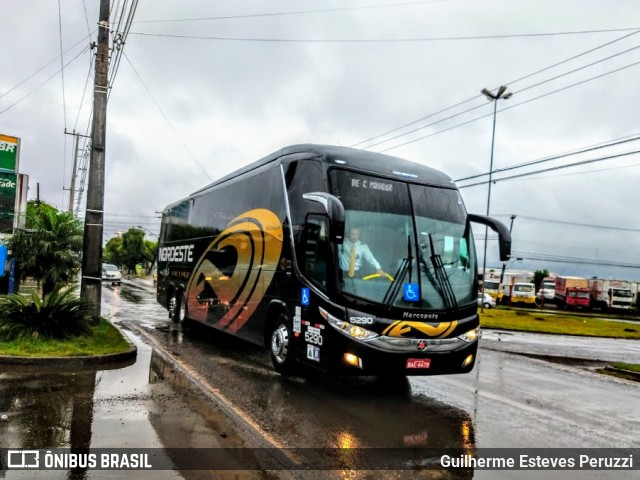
(109, 407)
(507, 401)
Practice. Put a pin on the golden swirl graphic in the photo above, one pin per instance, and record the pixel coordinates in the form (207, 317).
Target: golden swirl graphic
(235, 271)
(400, 328)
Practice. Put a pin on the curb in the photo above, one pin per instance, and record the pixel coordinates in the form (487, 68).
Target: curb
(117, 360)
(631, 375)
(549, 357)
(627, 374)
(78, 361)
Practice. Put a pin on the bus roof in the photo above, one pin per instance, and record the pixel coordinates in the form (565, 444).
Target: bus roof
(362, 160)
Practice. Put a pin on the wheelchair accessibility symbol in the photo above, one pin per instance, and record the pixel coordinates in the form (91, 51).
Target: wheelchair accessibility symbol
(411, 292)
(304, 296)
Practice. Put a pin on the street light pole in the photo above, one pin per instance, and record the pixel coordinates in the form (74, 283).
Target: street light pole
(504, 94)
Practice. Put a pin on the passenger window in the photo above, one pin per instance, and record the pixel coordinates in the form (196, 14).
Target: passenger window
(316, 248)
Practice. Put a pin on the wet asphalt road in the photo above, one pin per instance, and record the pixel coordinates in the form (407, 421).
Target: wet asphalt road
(508, 400)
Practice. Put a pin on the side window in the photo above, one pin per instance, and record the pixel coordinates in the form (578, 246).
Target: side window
(316, 249)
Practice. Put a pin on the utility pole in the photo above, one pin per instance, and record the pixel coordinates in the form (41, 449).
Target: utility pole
(91, 286)
(504, 265)
(72, 187)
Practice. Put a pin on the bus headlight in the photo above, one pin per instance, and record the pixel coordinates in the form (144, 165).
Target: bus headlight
(470, 336)
(355, 331)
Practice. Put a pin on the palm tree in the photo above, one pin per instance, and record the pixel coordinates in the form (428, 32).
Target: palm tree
(50, 248)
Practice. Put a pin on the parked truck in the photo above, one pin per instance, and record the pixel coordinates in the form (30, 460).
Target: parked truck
(523, 293)
(547, 291)
(493, 287)
(510, 280)
(572, 292)
(610, 294)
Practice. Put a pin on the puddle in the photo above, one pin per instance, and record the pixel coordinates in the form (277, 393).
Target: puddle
(146, 405)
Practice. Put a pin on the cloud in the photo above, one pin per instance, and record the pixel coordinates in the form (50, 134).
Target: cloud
(183, 105)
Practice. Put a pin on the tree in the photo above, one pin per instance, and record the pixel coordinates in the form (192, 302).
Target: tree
(150, 253)
(132, 250)
(50, 248)
(538, 275)
(112, 252)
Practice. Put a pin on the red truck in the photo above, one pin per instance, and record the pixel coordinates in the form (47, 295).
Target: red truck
(572, 292)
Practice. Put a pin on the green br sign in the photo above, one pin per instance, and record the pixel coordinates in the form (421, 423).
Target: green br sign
(9, 147)
(8, 184)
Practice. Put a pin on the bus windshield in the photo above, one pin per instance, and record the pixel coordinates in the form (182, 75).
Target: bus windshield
(400, 235)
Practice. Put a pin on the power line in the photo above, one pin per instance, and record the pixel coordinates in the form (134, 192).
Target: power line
(413, 123)
(554, 157)
(571, 259)
(117, 214)
(84, 92)
(574, 57)
(193, 157)
(634, 31)
(299, 12)
(377, 40)
(576, 224)
(591, 171)
(512, 82)
(64, 101)
(578, 69)
(121, 39)
(430, 124)
(86, 16)
(559, 167)
(516, 105)
(44, 66)
(43, 83)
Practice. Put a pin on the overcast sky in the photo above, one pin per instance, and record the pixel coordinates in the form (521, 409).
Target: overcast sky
(205, 87)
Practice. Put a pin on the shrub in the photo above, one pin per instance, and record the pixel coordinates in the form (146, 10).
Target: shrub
(60, 314)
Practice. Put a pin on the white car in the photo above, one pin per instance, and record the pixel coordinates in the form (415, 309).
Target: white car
(110, 273)
(487, 301)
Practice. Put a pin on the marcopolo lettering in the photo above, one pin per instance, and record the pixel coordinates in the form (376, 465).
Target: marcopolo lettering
(181, 253)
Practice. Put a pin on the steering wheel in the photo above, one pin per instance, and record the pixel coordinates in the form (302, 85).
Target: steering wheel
(377, 275)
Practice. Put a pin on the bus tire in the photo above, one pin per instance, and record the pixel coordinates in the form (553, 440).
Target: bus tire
(281, 346)
(177, 307)
(171, 305)
(181, 312)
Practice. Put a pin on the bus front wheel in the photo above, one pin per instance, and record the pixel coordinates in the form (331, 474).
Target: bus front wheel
(282, 347)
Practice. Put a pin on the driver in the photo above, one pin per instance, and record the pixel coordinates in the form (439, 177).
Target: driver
(353, 252)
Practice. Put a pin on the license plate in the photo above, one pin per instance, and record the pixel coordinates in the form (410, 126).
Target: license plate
(422, 363)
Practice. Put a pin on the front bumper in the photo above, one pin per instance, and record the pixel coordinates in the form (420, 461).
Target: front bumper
(369, 345)
(438, 357)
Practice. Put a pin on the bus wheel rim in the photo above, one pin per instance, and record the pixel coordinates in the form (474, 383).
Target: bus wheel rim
(280, 343)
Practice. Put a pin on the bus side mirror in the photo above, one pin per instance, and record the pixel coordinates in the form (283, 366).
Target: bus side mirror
(504, 236)
(334, 210)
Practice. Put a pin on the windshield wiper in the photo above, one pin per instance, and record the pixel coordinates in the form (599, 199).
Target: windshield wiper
(445, 288)
(405, 266)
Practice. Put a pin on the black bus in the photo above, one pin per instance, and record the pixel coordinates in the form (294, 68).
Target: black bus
(338, 259)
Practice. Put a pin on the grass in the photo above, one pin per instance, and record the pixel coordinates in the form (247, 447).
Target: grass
(632, 367)
(535, 321)
(569, 324)
(105, 339)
